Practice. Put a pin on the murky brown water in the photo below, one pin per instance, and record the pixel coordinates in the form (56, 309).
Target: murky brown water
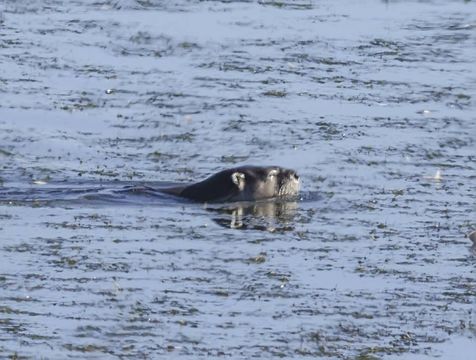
(372, 102)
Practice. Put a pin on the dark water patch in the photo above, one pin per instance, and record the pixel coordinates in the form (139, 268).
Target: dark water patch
(304, 58)
(35, 7)
(294, 5)
(4, 152)
(238, 67)
(459, 22)
(147, 44)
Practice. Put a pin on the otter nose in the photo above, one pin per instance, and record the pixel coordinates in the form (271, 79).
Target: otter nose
(294, 175)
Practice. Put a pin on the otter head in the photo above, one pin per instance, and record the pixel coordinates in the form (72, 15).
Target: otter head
(245, 183)
(256, 183)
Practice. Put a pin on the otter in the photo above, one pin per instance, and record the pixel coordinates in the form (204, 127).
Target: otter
(244, 183)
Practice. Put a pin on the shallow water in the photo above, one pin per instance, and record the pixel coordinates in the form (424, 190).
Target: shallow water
(373, 103)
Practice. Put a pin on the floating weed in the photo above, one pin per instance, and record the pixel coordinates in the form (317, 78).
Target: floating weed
(259, 259)
(221, 292)
(160, 156)
(88, 348)
(275, 93)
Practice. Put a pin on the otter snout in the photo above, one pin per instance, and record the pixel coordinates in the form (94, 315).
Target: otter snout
(289, 184)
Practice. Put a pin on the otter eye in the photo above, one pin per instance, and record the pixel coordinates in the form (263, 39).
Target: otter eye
(273, 173)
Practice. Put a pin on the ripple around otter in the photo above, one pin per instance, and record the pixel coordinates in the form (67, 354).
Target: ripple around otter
(125, 193)
(372, 102)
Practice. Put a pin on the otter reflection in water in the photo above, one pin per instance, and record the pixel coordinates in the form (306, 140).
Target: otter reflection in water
(272, 216)
(245, 183)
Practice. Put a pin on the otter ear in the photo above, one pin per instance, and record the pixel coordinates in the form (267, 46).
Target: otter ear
(238, 179)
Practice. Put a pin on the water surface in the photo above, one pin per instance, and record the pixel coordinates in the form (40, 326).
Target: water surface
(372, 102)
